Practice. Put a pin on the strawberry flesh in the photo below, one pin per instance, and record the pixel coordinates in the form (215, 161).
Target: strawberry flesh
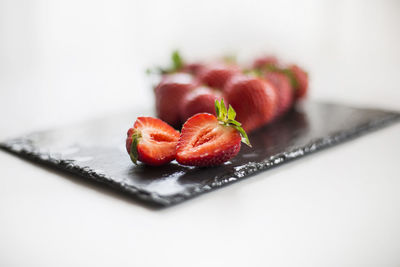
(152, 141)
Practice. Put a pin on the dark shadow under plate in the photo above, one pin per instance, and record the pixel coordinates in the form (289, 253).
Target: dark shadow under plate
(96, 150)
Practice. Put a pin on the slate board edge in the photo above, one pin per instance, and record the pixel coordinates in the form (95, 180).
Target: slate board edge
(28, 151)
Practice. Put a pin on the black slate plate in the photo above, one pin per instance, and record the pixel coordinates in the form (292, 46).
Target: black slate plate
(96, 150)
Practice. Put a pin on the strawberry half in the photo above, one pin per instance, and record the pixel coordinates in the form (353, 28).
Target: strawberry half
(210, 141)
(151, 141)
(200, 100)
(169, 95)
(254, 99)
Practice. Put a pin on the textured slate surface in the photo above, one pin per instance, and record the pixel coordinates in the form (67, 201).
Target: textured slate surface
(96, 150)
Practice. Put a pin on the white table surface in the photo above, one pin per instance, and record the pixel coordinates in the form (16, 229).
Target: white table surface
(62, 62)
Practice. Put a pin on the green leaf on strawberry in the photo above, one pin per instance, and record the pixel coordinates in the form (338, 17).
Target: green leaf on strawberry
(227, 117)
(177, 61)
(177, 64)
(231, 113)
(133, 152)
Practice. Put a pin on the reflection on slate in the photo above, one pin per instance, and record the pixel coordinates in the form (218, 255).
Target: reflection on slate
(96, 150)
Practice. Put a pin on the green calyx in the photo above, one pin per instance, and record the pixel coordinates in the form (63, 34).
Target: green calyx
(177, 61)
(177, 64)
(135, 141)
(227, 117)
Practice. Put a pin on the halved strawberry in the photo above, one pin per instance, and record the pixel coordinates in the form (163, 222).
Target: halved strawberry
(199, 100)
(169, 94)
(254, 99)
(284, 89)
(216, 75)
(209, 141)
(151, 141)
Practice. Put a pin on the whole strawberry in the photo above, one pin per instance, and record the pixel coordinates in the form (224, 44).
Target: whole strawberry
(193, 68)
(199, 100)
(207, 140)
(151, 141)
(284, 89)
(265, 61)
(300, 80)
(169, 95)
(254, 99)
(216, 75)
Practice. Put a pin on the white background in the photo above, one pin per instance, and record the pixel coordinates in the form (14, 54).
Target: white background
(67, 61)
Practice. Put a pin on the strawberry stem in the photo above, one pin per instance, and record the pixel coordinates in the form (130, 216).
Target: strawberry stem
(227, 117)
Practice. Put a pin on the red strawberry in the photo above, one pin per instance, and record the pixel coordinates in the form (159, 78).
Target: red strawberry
(209, 141)
(265, 61)
(193, 68)
(254, 99)
(151, 141)
(284, 89)
(199, 100)
(300, 81)
(169, 94)
(216, 75)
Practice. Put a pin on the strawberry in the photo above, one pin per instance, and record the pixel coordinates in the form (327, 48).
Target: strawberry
(209, 141)
(254, 99)
(265, 61)
(151, 141)
(300, 80)
(298, 77)
(193, 68)
(200, 100)
(284, 89)
(169, 94)
(216, 75)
